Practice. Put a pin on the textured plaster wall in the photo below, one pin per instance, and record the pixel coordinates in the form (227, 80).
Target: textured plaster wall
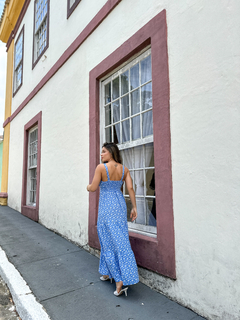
(204, 67)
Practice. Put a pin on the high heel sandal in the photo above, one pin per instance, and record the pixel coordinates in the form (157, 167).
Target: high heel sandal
(105, 279)
(117, 294)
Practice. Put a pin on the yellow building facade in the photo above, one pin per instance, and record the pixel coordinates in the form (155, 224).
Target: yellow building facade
(11, 13)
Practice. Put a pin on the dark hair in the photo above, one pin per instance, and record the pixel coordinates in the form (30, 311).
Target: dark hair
(113, 149)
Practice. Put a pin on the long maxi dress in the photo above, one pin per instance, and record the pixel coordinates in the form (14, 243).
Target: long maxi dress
(117, 259)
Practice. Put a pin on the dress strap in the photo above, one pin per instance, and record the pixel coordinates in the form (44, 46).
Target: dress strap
(122, 173)
(107, 171)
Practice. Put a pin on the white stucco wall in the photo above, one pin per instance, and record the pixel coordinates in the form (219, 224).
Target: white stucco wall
(62, 33)
(203, 46)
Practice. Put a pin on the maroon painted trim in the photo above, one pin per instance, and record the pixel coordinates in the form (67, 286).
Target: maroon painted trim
(93, 24)
(34, 62)
(30, 211)
(15, 91)
(73, 7)
(154, 254)
(11, 37)
(3, 194)
(18, 23)
(6, 122)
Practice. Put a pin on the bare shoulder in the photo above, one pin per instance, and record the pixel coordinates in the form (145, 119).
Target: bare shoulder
(100, 167)
(126, 171)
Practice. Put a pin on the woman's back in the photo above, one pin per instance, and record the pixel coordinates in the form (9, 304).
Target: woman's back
(115, 172)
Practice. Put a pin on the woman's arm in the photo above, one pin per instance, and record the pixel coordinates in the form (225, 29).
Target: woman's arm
(96, 179)
(131, 192)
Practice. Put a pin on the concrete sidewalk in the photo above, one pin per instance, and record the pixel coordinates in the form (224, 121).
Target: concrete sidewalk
(62, 280)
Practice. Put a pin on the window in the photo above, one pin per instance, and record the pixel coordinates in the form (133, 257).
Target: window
(137, 117)
(41, 29)
(32, 166)
(71, 5)
(127, 121)
(18, 63)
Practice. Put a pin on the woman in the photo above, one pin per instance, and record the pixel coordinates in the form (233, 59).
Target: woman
(117, 259)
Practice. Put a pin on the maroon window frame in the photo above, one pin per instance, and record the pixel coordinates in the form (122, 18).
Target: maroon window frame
(73, 7)
(34, 62)
(31, 212)
(14, 89)
(156, 254)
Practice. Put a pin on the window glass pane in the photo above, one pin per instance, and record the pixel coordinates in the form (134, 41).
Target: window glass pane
(34, 159)
(107, 115)
(18, 51)
(33, 179)
(128, 159)
(150, 182)
(116, 111)
(40, 12)
(129, 208)
(33, 139)
(138, 157)
(125, 131)
(33, 185)
(19, 76)
(125, 107)
(108, 93)
(151, 212)
(115, 84)
(124, 82)
(139, 182)
(116, 133)
(149, 155)
(41, 37)
(147, 96)
(136, 133)
(135, 102)
(147, 124)
(141, 219)
(146, 70)
(108, 134)
(134, 76)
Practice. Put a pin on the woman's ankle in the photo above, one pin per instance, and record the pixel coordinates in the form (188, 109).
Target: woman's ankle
(119, 285)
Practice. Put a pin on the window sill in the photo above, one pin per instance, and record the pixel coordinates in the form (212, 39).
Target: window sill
(136, 233)
(30, 212)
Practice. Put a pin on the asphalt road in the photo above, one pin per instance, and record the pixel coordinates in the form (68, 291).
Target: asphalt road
(7, 308)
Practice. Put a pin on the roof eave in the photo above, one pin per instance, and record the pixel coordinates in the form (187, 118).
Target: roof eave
(11, 12)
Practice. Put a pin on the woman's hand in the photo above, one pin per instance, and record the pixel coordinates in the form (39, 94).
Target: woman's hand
(133, 214)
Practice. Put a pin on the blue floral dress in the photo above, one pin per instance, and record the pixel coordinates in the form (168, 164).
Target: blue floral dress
(117, 258)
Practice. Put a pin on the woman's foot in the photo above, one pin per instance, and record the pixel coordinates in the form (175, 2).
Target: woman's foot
(119, 289)
(105, 278)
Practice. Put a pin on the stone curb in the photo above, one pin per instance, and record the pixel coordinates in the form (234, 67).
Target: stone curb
(26, 304)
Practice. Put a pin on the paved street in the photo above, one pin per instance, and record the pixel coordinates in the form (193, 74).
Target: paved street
(7, 307)
(64, 279)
